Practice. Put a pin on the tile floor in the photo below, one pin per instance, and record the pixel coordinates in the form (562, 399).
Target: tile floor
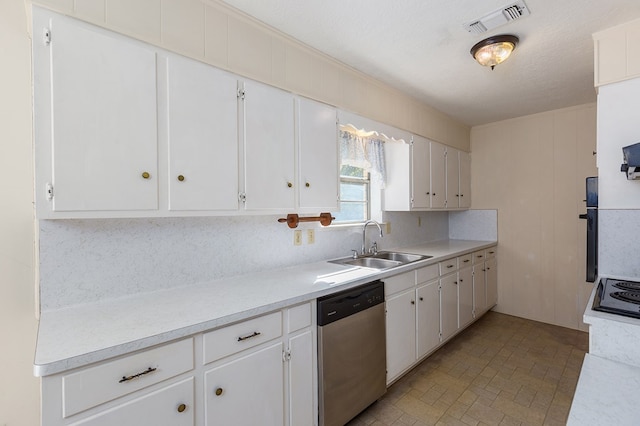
(502, 370)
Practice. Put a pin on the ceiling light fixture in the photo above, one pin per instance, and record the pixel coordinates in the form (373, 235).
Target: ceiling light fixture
(494, 50)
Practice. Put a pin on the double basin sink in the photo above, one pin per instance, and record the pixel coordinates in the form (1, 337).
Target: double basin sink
(381, 260)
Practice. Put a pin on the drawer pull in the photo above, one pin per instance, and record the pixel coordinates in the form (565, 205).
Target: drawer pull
(181, 408)
(135, 376)
(254, 334)
(466, 260)
(479, 255)
(491, 252)
(449, 266)
(219, 391)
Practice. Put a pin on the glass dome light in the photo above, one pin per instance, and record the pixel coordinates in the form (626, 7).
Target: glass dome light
(494, 50)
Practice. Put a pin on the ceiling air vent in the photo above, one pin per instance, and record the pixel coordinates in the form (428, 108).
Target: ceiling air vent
(498, 17)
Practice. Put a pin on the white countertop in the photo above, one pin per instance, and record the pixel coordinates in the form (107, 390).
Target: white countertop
(83, 334)
(607, 394)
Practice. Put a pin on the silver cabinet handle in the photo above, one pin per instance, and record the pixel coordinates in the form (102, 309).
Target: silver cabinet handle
(135, 376)
(254, 334)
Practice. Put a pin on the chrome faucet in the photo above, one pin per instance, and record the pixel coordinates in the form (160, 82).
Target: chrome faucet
(364, 229)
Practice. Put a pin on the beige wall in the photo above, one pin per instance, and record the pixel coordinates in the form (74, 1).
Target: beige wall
(209, 31)
(19, 400)
(532, 169)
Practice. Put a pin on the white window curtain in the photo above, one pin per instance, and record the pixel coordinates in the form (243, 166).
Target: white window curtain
(363, 151)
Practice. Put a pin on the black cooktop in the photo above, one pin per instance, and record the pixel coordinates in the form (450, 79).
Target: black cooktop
(621, 297)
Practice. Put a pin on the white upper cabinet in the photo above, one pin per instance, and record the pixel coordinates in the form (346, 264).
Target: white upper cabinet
(464, 159)
(408, 179)
(318, 156)
(453, 177)
(202, 133)
(438, 175)
(95, 109)
(420, 167)
(269, 174)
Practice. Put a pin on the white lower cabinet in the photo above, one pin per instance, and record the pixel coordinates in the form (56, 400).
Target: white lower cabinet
(465, 296)
(491, 278)
(448, 305)
(259, 371)
(169, 406)
(428, 306)
(428, 318)
(247, 391)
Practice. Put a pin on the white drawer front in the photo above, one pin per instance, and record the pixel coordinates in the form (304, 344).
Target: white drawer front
(491, 252)
(478, 256)
(105, 382)
(299, 317)
(238, 337)
(448, 266)
(170, 406)
(427, 273)
(398, 283)
(465, 260)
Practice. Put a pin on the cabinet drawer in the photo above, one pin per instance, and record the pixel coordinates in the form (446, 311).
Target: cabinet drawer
(448, 266)
(169, 406)
(238, 337)
(398, 283)
(491, 252)
(465, 260)
(478, 256)
(427, 273)
(299, 317)
(110, 380)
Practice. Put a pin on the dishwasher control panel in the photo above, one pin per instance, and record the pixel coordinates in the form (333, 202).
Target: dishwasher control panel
(348, 302)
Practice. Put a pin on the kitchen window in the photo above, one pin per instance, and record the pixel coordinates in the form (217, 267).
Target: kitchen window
(362, 172)
(355, 195)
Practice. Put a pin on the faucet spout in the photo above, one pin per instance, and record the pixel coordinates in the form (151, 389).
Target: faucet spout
(364, 230)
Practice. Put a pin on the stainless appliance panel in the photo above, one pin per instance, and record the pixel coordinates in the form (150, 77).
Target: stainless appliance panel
(352, 364)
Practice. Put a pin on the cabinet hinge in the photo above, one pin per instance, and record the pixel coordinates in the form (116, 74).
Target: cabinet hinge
(286, 355)
(242, 197)
(411, 141)
(49, 191)
(46, 36)
(241, 94)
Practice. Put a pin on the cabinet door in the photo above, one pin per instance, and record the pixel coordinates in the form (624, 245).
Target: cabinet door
(318, 156)
(437, 171)
(301, 380)
(420, 174)
(268, 148)
(464, 159)
(465, 296)
(104, 124)
(247, 391)
(491, 266)
(169, 406)
(401, 333)
(479, 290)
(449, 305)
(428, 318)
(202, 121)
(453, 178)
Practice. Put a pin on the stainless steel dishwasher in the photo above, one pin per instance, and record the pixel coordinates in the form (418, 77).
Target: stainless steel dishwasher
(351, 352)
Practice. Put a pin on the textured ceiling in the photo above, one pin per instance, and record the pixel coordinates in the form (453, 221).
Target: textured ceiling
(421, 47)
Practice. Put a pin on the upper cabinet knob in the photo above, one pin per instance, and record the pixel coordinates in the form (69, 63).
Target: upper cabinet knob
(289, 184)
(307, 184)
(146, 175)
(181, 178)
(219, 391)
(181, 408)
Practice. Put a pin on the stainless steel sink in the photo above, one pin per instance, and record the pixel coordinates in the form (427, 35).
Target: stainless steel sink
(381, 260)
(400, 257)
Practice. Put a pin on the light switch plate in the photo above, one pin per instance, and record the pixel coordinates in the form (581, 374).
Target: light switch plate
(311, 236)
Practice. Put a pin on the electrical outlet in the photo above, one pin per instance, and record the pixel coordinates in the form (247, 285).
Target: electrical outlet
(388, 227)
(297, 238)
(311, 236)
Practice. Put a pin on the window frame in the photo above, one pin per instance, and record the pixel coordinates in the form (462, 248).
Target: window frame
(357, 180)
